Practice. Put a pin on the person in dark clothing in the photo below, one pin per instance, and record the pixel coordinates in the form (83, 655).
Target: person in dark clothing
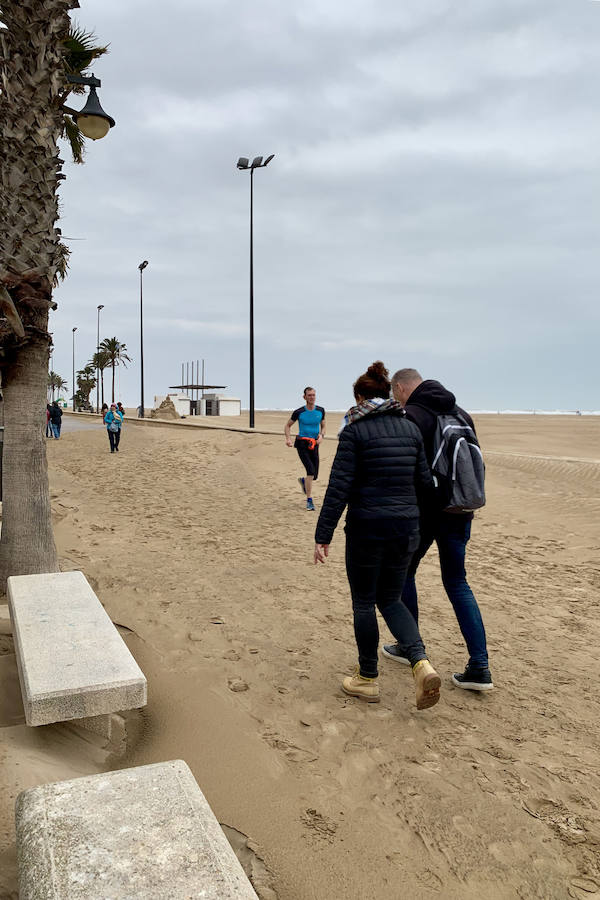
(55, 419)
(48, 423)
(379, 473)
(423, 402)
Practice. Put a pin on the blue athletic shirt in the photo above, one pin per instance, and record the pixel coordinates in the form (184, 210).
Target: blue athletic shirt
(309, 421)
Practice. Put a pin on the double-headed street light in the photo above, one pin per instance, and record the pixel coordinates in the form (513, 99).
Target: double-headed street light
(243, 165)
(101, 306)
(73, 397)
(141, 267)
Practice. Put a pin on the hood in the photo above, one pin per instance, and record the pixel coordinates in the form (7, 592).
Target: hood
(433, 396)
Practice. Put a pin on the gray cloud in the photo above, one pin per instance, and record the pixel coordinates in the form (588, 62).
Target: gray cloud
(431, 201)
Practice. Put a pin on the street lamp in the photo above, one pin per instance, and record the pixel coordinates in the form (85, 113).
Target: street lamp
(141, 267)
(244, 165)
(101, 306)
(92, 121)
(73, 397)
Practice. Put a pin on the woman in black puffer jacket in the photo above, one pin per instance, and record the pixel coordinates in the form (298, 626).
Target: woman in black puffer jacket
(380, 473)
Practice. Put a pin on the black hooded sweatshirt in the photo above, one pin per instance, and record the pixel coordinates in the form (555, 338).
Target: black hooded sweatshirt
(429, 400)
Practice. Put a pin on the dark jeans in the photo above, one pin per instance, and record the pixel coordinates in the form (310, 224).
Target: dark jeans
(114, 438)
(376, 573)
(451, 534)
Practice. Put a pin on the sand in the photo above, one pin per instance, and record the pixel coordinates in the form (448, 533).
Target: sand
(196, 540)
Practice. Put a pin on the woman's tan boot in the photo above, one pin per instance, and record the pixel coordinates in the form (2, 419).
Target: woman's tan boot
(358, 686)
(427, 683)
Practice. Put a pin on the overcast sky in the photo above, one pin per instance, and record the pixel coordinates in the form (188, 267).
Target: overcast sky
(433, 201)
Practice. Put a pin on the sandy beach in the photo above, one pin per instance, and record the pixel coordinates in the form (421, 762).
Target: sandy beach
(197, 543)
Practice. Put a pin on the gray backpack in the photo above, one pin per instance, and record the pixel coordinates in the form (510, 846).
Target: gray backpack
(458, 469)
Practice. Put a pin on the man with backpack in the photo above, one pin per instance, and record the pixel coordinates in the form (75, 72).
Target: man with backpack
(453, 453)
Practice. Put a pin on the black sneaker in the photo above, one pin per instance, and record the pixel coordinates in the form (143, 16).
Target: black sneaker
(473, 679)
(394, 651)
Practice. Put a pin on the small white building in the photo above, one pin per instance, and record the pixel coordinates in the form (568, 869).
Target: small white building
(219, 405)
(209, 405)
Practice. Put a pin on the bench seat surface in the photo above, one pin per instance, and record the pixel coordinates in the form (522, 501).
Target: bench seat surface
(146, 832)
(72, 660)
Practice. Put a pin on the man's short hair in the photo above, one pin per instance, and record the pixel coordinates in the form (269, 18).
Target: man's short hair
(308, 389)
(406, 376)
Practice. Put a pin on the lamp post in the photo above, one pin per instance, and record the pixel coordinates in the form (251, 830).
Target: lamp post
(141, 267)
(73, 397)
(101, 306)
(244, 165)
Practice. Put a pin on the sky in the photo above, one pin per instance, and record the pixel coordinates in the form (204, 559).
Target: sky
(433, 200)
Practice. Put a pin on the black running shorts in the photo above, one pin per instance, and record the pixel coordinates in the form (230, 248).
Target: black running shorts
(309, 458)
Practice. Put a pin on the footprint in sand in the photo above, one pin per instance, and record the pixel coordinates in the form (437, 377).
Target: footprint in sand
(319, 825)
(584, 888)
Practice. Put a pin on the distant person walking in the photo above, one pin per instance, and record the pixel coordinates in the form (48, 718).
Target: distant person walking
(120, 408)
(48, 423)
(380, 473)
(113, 421)
(104, 409)
(425, 402)
(55, 419)
(311, 431)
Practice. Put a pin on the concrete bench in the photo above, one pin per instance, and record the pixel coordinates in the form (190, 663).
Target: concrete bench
(137, 833)
(72, 661)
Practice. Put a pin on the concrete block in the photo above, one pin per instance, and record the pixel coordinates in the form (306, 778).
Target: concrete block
(137, 833)
(72, 661)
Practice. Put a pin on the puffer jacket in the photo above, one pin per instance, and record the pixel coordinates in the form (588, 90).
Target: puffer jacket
(380, 473)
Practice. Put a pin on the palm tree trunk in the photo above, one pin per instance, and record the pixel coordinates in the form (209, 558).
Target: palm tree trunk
(32, 77)
(27, 545)
(113, 382)
(102, 383)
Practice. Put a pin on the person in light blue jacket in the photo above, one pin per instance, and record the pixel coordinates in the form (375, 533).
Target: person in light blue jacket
(113, 421)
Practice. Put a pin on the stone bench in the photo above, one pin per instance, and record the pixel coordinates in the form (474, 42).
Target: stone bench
(72, 661)
(136, 833)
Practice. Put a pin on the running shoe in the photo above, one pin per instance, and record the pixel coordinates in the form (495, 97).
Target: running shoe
(310, 505)
(394, 651)
(473, 679)
(302, 485)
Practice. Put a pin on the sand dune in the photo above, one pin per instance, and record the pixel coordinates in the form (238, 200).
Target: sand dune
(197, 540)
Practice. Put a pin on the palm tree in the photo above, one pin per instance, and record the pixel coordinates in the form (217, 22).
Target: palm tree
(86, 382)
(34, 52)
(100, 361)
(55, 383)
(117, 355)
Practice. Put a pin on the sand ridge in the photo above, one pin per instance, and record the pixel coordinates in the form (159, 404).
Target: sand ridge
(197, 540)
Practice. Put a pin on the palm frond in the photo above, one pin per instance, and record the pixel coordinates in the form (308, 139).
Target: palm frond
(75, 138)
(63, 264)
(81, 49)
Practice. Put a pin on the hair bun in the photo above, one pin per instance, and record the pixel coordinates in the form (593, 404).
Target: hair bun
(378, 370)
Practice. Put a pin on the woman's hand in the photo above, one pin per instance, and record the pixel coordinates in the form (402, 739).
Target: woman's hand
(321, 552)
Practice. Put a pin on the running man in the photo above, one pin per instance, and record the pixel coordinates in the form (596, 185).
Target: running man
(311, 431)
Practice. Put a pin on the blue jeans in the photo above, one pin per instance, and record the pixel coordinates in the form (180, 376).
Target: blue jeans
(376, 571)
(451, 534)
(55, 429)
